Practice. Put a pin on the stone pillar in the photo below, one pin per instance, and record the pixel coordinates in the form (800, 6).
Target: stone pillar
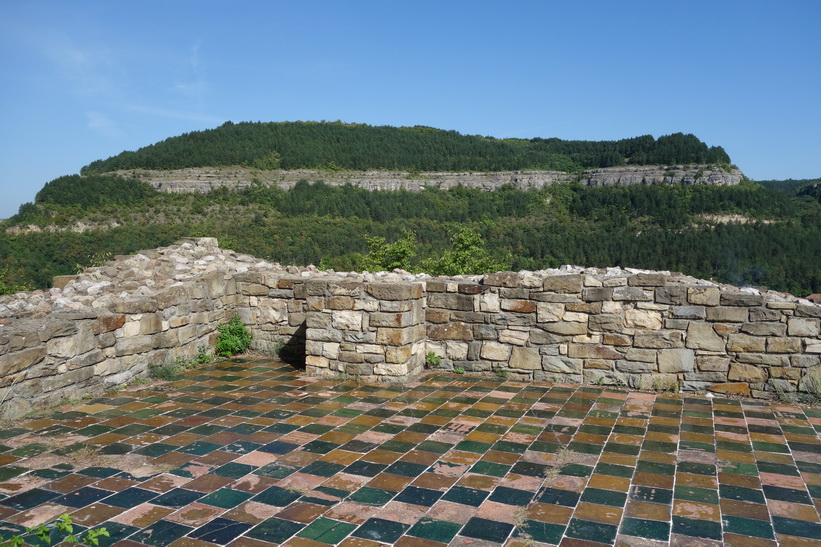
(372, 330)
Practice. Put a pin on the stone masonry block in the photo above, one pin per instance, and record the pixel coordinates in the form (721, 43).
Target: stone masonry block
(728, 315)
(525, 359)
(744, 299)
(746, 343)
(801, 326)
(563, 283)
(494, 351)
(502, 279)
(395, 291)
(451, 331)
(659, 339)
(704, 296)
(703, 336)
(676, 360)
(597, 294)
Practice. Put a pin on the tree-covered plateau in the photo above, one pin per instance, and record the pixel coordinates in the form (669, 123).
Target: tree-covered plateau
(336, 145)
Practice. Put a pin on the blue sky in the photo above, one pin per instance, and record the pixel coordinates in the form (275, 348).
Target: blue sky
(87, 79)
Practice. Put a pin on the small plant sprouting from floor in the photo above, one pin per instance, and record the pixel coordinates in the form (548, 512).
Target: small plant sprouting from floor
(64, 525)
(432, 360)
(233, 338)
(172, 370)
(665, 385)
(563, 457)
(500, 372)
(459, 370)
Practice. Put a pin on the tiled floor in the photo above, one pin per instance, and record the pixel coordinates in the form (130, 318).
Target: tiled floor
(250, 453)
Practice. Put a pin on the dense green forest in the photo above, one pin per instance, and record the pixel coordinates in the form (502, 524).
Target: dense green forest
(336, 145)
(773, 239)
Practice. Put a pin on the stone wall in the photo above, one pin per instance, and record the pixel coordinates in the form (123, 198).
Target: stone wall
(638, 329)
(648, 330)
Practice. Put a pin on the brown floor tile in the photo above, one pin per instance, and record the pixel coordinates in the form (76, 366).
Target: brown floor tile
(352, 512)
(481, 482)
(302, 512)
(208, 483)
(421, 457)
(381, 456)
(389, 481)
(598, 513)
(736, 479)
(702, 481)
(608, 482)
(732, 540)
(654, 480)
(648, 511)
(744, 509)
(70, 483)
(253, 483)
(434, 481)
(696, 510)
(410, 541)
(796, 511)
(143, 515)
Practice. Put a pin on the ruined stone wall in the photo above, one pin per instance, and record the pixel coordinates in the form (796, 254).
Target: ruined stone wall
(648, 330)
(638, 329)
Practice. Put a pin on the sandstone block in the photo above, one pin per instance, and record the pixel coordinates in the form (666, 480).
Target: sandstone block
(710, 363)
(632, 294)
(151, 323)
(134, 344)
(642, 355)
(767, 359)
(784, 345)
(391, 370)
(503, 279)
(566, 329)
(746, 343)
(801, 326)
(676, 360)
(318, 320)
(490, 303)
(451, 331)
(20, 360)
(647, 280)
(688, 312)
(494, 351)
(395, 291)
(316, 361)
(585, 351)
(351, 357)
(323, 335)
(764, 314)
(525, 359)
(339, 303)
(671, 294)
(659, 339)
(518, 306)
(561, 365)
(515, 337)
(741, 299)
(459, 302)
(657, 382)
(346, 320)
(765, 329)
(703, 336)
(400, 337)
(606, 323)
(610, 339)
(379, 319)
(597, 294)
(548, 312)
(399, 354)
(563, 283)
(731, 388)
(456, 351)
(108, 323)
(728, 315)
(805, 361)
(704, 296)
(539, 337)
(741, 372)
(643, 319)
(635, 367)
(808, 310)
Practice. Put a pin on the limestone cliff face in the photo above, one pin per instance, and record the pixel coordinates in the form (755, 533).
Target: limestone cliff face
(208, 178)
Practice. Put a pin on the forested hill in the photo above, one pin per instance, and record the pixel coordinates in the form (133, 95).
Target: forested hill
(337, 145)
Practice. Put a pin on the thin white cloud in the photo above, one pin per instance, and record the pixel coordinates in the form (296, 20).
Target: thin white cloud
(174, 114)
(99, 122)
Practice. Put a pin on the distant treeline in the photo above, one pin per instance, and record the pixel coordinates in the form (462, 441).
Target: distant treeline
(655, 227)
(336, 145)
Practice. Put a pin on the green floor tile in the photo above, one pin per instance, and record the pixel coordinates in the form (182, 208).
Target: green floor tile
(435, 530)
(748, 527)
(649, 529)
(327, 530)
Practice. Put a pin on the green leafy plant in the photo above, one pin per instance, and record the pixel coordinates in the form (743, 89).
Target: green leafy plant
(459, 370)
(234, 337)
(432, 360)
(64, 525)
(500, 372)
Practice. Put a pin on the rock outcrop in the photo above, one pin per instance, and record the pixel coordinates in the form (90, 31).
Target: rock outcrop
(209, 178)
